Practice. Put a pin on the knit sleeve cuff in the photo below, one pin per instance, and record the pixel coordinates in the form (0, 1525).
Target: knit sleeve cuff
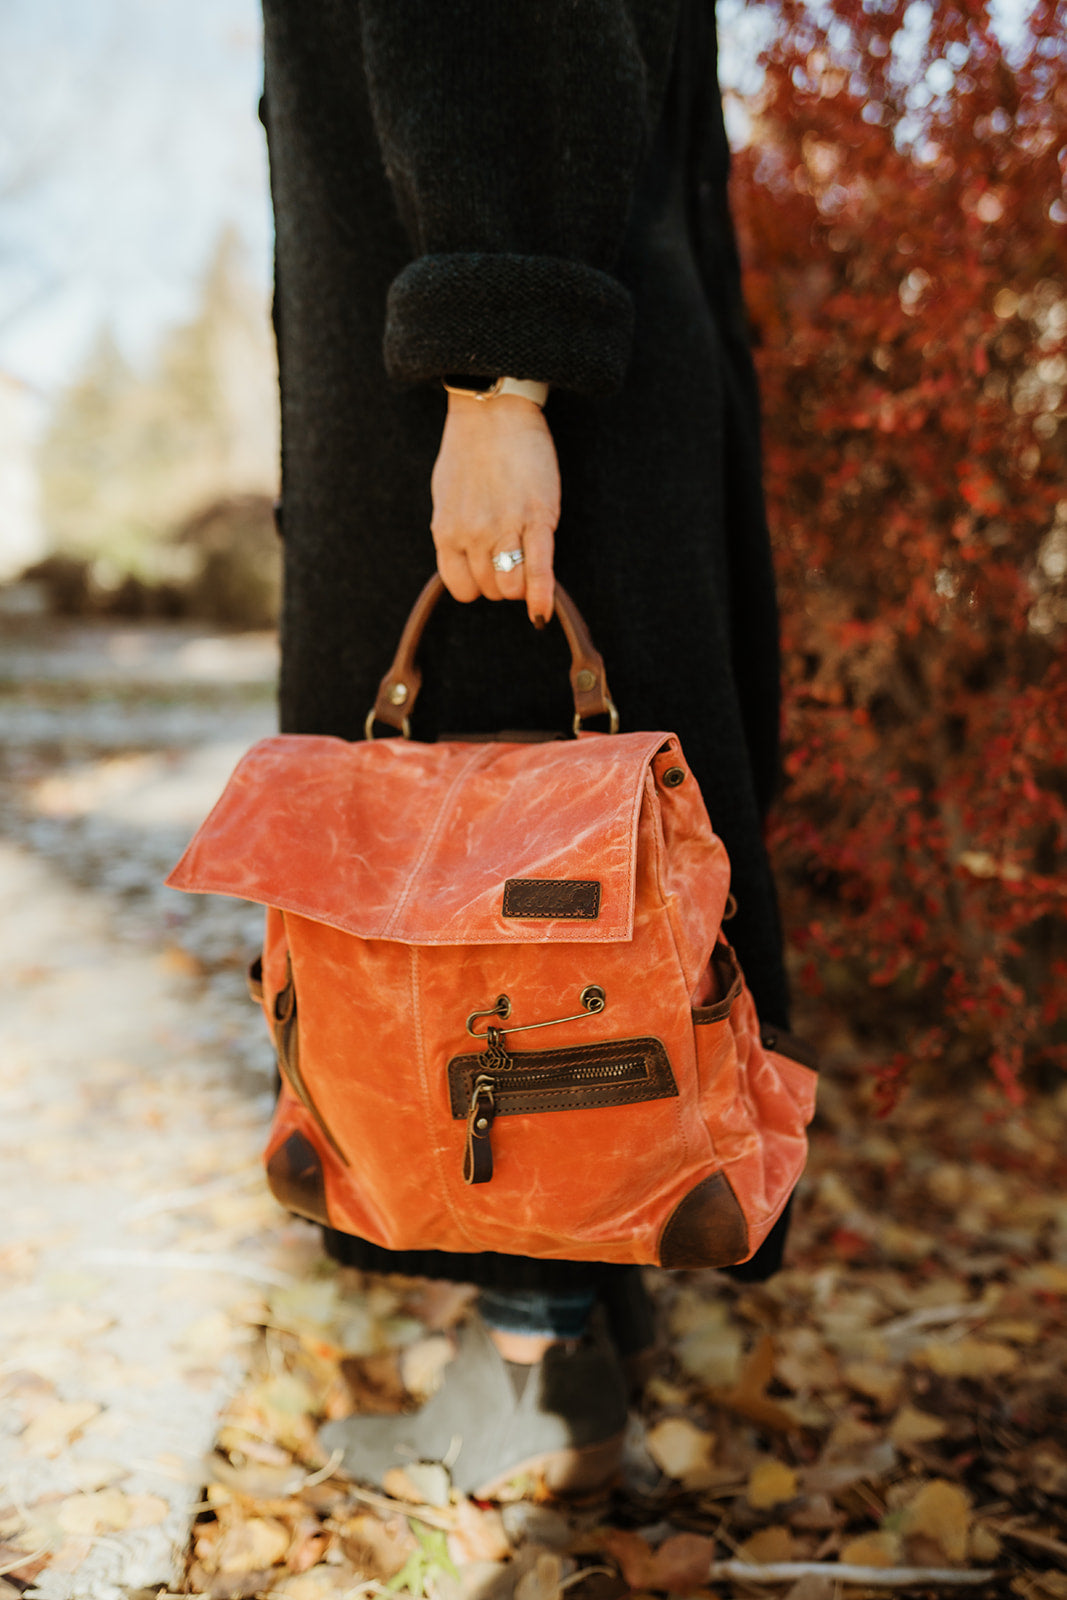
(540, 317)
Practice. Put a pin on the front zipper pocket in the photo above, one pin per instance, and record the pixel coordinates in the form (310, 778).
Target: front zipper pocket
(586, 1077)
(287, 1045)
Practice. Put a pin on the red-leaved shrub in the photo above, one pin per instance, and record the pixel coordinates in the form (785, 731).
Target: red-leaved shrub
(904, 228)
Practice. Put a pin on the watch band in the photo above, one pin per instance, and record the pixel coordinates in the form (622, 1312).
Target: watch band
(528, 388)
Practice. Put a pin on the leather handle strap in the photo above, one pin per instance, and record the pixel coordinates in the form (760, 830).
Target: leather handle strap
(400, 687)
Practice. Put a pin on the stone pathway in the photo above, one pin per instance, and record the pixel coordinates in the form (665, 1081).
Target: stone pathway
(136, 1233)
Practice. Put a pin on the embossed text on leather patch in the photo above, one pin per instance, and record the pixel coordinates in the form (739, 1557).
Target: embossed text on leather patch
(551, 897)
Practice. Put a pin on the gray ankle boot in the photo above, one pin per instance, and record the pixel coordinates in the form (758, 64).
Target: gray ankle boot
(562, 1421)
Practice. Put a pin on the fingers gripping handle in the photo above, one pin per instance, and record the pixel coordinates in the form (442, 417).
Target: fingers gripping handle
(399, 689)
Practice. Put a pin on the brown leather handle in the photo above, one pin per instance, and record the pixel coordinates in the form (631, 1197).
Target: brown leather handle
(400, 687)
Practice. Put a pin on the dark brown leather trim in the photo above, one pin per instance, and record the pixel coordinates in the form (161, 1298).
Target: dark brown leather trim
(620, 1072)
(296, 1178)
(787, 1044)
(706, 1229)
(551, 897)
(728, 981)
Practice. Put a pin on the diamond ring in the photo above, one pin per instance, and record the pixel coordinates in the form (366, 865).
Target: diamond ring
(507, 560)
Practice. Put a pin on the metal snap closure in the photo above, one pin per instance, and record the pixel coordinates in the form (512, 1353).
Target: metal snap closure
(593, 998)
(585, 680)
(398, 693)
(673, 777)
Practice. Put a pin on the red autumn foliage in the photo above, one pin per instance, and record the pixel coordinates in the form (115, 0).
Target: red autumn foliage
(904, 227)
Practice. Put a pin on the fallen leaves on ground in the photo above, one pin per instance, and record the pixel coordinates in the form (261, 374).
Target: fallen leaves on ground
(893, 1398)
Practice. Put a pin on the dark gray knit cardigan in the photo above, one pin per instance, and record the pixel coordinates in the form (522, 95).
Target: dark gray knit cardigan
(535, 188)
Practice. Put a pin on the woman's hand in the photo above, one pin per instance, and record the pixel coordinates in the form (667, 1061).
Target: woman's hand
(495, 487)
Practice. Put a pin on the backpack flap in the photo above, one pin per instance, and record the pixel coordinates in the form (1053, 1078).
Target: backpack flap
(438, 844)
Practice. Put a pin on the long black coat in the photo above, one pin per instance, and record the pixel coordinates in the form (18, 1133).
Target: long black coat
(536, 189)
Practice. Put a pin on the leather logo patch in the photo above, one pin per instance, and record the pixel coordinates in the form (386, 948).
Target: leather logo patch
(551, 897)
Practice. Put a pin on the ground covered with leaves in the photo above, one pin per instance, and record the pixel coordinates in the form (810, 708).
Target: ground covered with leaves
(894, 1399)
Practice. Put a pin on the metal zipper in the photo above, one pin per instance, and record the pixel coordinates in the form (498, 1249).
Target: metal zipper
(490, 1089)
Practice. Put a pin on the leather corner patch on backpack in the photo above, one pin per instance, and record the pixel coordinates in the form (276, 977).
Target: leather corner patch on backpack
(552, 898)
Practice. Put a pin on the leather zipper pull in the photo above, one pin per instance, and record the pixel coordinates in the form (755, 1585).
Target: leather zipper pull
(478, 1157)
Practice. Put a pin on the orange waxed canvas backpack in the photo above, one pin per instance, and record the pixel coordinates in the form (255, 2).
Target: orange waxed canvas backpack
(505, 1012)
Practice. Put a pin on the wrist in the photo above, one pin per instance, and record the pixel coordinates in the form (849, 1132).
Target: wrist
(506, 410)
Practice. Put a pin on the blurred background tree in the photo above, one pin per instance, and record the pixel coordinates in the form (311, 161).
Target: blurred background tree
(903, 210)
(136, 361)
(149, 478)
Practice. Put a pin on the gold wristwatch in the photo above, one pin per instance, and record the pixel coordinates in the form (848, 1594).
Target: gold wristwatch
(479, 388)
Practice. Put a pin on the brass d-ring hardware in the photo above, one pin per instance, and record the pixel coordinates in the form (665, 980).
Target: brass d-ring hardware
(371, 719)
(613, 719)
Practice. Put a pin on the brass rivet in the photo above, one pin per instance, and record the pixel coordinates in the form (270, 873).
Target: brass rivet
(398, 693)
(481, 1124)
(585, 680)
(674, 776)
(769, 1040)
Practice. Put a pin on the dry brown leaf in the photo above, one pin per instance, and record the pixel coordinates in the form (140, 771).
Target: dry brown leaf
(803, 1361)
(985, 1545)
(478, 1535)
(682, 1451)
(250, 1546)
(376, 1546)
(905, 1245)
(770, 1483)
(1048, 1275)
(817, 1512)
(229, 1585)
(775, 1543)
(661, 1391)
(634, 1555)
(912, 1426)
(1050, 1585)
(748, 1396)
(881, 1549)
(682, 1563)
(707, 1343)
(375, 1383)
(854, 1450)
(880, 1383)
(147, 1510)
(968, 1358)
(1045, 1465)
(419, 1483)
(941, 1511)
(106, 1511)
(422, 1364)
(54, 1427)
(308, 1544)
(1016, 1330)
